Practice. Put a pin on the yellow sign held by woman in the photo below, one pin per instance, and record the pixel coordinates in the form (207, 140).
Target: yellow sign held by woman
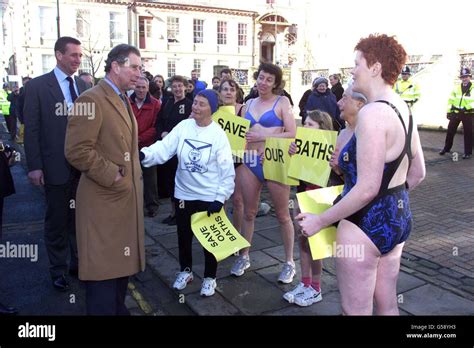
(277, 161)
(235, 128)
(314, 148)
(217, 235)
(317, 201)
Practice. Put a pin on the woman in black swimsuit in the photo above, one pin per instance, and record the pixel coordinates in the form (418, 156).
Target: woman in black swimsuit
(381, 160)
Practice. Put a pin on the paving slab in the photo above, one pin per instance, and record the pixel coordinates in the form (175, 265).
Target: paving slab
(408, 282)
(252, 294)
(213, 305)
(430, 300)
(330, 305)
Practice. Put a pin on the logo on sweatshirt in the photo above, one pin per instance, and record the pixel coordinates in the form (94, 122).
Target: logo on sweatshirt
(195, 156)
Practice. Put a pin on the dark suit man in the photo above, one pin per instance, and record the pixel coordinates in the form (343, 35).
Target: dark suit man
(47, 99)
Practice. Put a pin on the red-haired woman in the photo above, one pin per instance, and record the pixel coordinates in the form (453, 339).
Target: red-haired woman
(381, 162)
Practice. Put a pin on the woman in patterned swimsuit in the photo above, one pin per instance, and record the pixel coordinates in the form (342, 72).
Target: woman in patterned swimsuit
(381, 162)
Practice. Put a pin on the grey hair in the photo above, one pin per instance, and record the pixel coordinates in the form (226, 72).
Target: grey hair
(144, 79)
(357, 95)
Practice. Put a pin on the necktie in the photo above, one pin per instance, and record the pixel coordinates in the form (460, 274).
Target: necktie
(71, 89)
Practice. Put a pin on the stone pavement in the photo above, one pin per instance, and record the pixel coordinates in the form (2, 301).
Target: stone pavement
(436, 275)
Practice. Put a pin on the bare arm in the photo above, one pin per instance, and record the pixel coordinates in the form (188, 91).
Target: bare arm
(417, 171)
(371, 151)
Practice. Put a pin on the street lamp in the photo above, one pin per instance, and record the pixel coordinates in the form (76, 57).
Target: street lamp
(57, 19)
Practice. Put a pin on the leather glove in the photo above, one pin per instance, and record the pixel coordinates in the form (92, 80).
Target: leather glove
(214, 207)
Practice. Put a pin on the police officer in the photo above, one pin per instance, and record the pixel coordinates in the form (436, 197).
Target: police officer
(407, 90)
(461, 109)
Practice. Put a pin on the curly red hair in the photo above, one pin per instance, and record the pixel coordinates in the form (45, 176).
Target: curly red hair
(385, 50)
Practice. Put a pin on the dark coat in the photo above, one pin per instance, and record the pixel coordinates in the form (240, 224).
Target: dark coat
(338, 91)
(7, 187)
(325, 102)
(45, 127)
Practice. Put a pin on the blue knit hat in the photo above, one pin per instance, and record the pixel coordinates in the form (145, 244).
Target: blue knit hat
(211, 97)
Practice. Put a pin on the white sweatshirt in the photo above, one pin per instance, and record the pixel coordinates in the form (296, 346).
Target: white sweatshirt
(205, 165)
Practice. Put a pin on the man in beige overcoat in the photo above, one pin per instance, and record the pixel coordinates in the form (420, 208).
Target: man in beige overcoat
(102, 142)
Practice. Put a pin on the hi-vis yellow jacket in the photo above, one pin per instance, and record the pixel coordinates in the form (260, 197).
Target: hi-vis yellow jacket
(407, 90)
(4, 103)
(459, 102)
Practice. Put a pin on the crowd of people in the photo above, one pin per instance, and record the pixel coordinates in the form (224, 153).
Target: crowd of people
(146, 138)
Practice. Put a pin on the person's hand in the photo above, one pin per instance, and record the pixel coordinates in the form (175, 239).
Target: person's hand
(309, 223)
(118, 176)
(292, 149)
(334, 161)
(214, 207)
(36, 177)
(163, 135)
(254, 137)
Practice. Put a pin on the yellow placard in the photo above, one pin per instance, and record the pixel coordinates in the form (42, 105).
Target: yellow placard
(314, 148)
(277, 161)
(217, 235)
(235, 128)
(317, 201)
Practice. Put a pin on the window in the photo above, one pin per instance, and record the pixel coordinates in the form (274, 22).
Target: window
(145, 31)
(47, 21)
(171, 67)
(242, 39)
(173, 29)
(117, 23)
(82, 23)
(86, 65)
(48, 62)
(221, 33)
(197, 65)
(198, 30)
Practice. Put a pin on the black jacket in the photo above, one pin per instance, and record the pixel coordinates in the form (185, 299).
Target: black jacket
(7, 187)
(338, 91)
(172, 114)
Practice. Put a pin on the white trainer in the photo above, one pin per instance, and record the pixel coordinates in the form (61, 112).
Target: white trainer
(290, 295)
(240, 265)
(308, 297)
(182, 279)
(287, 273)
(208, 287)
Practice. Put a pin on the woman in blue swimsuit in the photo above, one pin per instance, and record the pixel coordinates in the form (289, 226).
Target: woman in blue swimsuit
(270, 115)
(381, 161)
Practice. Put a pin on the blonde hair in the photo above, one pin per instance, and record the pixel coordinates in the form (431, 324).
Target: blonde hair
(322, 118)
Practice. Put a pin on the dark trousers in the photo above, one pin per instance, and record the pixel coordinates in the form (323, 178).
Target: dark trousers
(150, 188)
(106, 297)
(184, 210)
(10, 121)
(467, 128)
(60, 227)
(1, 215)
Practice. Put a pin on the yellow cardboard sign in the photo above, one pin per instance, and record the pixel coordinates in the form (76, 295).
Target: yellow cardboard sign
(314, 148)
(277, 161)
(235, 128)
(217, 235)
(317, 201)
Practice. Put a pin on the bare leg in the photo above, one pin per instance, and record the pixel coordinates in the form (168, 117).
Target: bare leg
(238, 200)
(386, 285)
(356, 275)
(280, 195)
(251, 198)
